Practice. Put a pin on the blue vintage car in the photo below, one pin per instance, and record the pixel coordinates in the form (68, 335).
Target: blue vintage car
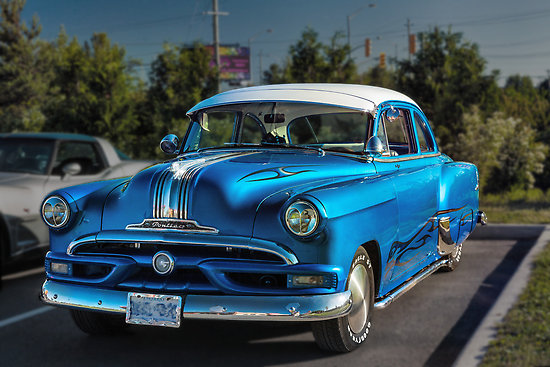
(313, 202)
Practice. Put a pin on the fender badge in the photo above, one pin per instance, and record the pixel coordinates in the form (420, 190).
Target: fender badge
(183, 225)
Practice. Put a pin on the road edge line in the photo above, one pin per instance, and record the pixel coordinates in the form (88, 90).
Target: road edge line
(474, 351)
(24, 273)
(25, 315)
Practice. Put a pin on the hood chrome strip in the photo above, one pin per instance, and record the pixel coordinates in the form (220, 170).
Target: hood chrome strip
(173, 188)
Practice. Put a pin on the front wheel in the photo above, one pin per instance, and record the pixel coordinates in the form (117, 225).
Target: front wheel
(97, 323)
(346, 333)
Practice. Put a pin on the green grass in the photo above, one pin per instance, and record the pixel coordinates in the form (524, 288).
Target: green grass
(523, 339)
(518, 206)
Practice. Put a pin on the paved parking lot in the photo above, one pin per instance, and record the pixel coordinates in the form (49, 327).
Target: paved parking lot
(427, 326)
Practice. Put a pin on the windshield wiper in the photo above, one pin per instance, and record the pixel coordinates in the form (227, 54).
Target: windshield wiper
(228, 145)
(293, 146)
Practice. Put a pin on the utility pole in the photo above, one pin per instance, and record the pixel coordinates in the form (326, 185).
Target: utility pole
(261, 54)
(215, 13)
(409, 35)
(250, 52)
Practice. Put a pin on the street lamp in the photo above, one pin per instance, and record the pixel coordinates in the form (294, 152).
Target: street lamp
(252, 38)
(349, 18)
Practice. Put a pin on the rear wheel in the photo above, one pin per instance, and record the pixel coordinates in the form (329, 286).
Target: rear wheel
(454, 259)
(97, 323)
(346, 333)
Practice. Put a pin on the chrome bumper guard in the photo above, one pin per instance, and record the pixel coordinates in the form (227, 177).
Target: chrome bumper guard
(252, 308)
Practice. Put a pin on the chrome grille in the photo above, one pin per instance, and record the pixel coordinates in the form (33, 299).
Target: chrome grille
(199, 252)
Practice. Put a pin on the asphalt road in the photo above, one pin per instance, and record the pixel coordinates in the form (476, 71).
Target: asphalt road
(427, 326)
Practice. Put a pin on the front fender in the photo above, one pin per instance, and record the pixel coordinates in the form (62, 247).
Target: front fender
(86, 203)
(357, 211)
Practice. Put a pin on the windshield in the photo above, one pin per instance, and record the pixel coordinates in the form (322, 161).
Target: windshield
(282, 124)
(25, 155)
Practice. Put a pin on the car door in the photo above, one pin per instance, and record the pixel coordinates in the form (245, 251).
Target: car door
(414, 173)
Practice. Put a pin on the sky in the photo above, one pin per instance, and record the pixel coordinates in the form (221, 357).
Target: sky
(513, 36)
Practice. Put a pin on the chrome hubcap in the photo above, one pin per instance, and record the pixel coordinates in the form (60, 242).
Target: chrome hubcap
(455, 255)
(360, 295)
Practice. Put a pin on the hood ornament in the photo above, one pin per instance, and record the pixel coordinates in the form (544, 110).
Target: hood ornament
(169, 224)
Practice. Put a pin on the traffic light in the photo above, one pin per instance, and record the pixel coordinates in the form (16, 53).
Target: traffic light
(367, 47)
(412, 44)
(382, 60)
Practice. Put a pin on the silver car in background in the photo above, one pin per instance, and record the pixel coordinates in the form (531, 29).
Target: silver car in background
(33, 164)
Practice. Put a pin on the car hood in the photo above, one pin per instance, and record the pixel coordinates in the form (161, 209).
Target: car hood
(223, 189)
(20, 193)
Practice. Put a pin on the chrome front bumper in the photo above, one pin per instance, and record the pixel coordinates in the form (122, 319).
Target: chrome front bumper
(253, 308)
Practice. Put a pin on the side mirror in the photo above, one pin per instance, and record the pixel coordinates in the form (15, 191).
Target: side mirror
(169, 144)
(375, 147)
(71, 169)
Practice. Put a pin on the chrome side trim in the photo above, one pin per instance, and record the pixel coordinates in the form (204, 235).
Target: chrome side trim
(253, 308)
(172, 238)
(385, 301)
(407, 158)
(445, 243)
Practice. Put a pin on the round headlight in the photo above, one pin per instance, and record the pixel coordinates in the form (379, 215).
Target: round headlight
(302, 218)
(55, 211)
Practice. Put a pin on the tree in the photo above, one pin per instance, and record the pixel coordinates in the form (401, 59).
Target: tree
(95, 87)
(310, 61)
(380, 77)
(180, 77)
(25, 70)
(503, 148)
(446, 77)
(522, 100)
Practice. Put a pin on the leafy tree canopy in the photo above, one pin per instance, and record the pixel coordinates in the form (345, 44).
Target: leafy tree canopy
(311, 61)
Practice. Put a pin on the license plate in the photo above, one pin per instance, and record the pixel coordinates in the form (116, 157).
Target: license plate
(153, 309)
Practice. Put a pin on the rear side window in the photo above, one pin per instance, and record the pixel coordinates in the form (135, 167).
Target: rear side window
(424, 136)
(399, 134)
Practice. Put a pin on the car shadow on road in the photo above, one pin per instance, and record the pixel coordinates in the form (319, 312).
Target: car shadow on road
(202, 343)
(487, 293)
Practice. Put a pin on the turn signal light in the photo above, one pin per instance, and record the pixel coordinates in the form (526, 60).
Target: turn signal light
(307, 280)
(59, 268)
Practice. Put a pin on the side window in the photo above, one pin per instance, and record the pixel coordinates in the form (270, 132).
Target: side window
(83, 153)
(424, 137)
(399, 134)
(251, 131)
(218, 130)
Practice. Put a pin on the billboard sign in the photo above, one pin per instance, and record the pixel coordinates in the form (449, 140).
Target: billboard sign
(234, 60)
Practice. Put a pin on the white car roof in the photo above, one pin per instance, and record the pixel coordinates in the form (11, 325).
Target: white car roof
(354, 96)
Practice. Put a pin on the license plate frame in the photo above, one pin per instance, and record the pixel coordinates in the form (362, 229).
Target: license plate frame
(154, 309)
